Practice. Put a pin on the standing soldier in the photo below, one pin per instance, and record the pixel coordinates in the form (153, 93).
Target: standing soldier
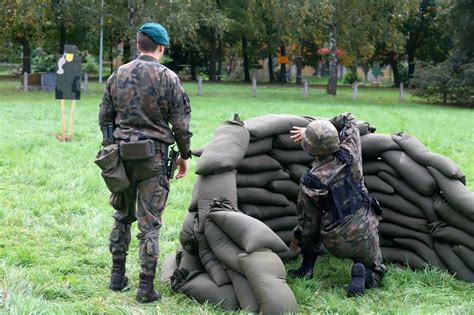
(141, 100)
(333, 204)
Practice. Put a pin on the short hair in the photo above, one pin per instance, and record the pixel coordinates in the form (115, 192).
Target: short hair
(145, 44)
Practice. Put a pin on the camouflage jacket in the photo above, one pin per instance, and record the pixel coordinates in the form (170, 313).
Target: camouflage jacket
(143, 98)
(328, 169)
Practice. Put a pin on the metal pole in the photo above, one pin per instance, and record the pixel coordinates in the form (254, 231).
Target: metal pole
(25, 81)
(402, 96)
(355, 90)
(305, 88)
(101, 42)
(254, 87)
(199, 86)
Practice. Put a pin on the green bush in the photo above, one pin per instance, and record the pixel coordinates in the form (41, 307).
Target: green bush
(351, 77)
(43, 63)
(89, 65)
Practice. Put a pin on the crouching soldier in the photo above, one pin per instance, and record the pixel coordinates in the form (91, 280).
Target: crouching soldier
(333, 204)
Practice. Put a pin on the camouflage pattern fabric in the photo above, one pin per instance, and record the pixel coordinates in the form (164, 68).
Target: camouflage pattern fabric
(320, 138)
(357, 236)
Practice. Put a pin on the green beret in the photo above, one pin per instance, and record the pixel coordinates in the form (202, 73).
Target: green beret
(156, 32)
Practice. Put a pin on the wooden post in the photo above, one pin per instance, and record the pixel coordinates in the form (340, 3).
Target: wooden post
(86, 83)
(402, 96)
(199, 86)
(355, 90)
(305, 88)
(25, 81)
(71, 121)
(63, 122)
(254, 87)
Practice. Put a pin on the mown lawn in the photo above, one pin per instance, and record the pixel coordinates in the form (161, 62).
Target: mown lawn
(55, 218)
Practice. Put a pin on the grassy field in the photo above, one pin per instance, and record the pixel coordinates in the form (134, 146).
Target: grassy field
(56, 220)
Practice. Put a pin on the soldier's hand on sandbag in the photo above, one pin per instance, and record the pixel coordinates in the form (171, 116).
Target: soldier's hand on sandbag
(297, 134)
(182, 167)
(294, 245)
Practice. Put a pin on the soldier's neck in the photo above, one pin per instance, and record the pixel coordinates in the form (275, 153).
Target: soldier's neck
(156, 55)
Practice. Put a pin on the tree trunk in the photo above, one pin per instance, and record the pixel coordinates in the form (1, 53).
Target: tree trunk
(62, 38)
(25, 43)
(193, 72)
(219, 58)
(270, 68)
(299, 71)
(411, 66)
(127, 53)
(283, 65)
(212, 61)
(245, 54)
(332, 82)
(396, 75)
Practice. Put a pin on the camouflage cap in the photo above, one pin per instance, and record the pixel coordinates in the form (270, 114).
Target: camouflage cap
(156, 32)
(320, 138)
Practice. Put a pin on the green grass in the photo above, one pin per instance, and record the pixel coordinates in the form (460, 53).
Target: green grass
(55, 217)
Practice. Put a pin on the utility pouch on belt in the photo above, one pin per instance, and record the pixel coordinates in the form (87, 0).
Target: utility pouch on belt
(137, 150)
(112, 168)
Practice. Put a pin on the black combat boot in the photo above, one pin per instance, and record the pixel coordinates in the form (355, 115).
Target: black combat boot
(307, 265)
(146, 293)
(118, 279)
(369, 278)
(357, 285)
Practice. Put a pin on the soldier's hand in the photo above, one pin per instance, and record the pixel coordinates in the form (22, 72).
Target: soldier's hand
(294, 245)
(297, 134)
(182, 167)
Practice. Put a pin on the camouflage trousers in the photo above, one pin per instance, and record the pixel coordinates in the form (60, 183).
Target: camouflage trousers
(143, 201)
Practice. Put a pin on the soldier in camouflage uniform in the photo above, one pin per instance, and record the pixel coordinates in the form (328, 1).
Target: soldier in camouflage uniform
(141, 99)
(333, 204)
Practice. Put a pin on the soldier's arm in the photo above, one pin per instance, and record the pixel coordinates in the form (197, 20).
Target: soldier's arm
(180, 117)
(349, 134)
(106, 109)
(309, 220)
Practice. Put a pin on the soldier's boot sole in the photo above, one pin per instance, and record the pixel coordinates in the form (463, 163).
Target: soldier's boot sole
(357, 285)
(117, 285)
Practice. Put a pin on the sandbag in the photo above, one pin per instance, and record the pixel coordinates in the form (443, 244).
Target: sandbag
(188, 261)
(271, 125)
(247, 232)
(267, 277)
(258, 164)
(281, 223)
(262, 146)
(392, 231)
(210, 262)
(285, 236)
(167, 268)
(416, 175)
(403, 257)
(458, 195)
(289, 255)
(260, 196)
(296, 171)
(391, 216)
(386, 242)
(262, 212)
(448, 234)
(286, 187)
(226, 149)
(285, 142)
(374, 144)
(198, 152)
(247, 300)
(374, 167)
(285, 157)
(418, 151)
(186, 235)
(466, 255)
(374, 183)
(259, 179)
(452, 217)
(222, 246)
(428, 254)
(423, 202)
(454, 263)
(399, 204)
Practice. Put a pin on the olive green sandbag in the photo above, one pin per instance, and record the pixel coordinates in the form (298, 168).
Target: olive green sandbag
(391, 216)
(267, 277)
(428, 254)
(226, 149)
(222, 246)
(258, 164)
(262, 146)
(285, 236)
(247, 232)
(271, 125)
(284, 142)
(281, 223)
(420, 153)
(402, 256)
(386, 242)
(247, 300)
(457, 195)
(260, 196)
(416, 175)
(296, 171)
(286, 157)
(290, 255)
(466, 255)
(262, 212)
(399, 204)
(448, 234)
(374, 183)
(392, 231)
(426, 203)
(188, 261)
(453, 262)
(374, 167)
(286, 187)
(167, 268)
(374, 144)
(198, 152)
(259, 179)
(210, 262)
(186, 235)
(452, 217)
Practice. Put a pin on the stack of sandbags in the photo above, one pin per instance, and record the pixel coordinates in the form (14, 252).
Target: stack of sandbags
(428, 215)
